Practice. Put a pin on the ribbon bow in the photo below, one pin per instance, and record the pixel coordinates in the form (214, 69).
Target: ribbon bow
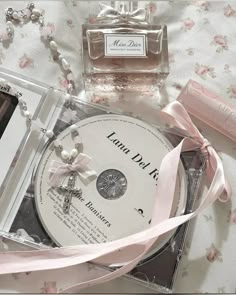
(80, 165)
(109, 13)
(175, 115)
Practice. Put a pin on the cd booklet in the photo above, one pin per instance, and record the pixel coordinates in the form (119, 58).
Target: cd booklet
(112, 196)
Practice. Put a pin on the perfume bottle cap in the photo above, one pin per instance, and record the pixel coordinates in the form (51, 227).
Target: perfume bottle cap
(122, 15)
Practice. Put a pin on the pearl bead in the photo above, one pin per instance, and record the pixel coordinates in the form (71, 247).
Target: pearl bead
(73, 128)
(10, 24)
(65, 64)
(27, 114)
(53, 45)
(20, 100)
(27, 13)
(73, 153)
(49, 134)
(60, 57)
(31, 6)
(70, 77)
(65, 155)
(9, 35)
(15, 15)
(41, 20)
(36, 12)
(69, 87)
(33, 17)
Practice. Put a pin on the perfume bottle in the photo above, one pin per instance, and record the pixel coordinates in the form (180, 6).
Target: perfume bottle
(123, 51)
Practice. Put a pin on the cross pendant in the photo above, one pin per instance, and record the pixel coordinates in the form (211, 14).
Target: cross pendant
(69, 191)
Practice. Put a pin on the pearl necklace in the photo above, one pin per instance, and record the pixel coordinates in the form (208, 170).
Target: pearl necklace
(47, 35)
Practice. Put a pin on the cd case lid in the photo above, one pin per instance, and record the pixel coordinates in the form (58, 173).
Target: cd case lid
(18, 141)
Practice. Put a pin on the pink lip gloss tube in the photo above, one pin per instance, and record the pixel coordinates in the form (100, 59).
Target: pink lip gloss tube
(209, 108)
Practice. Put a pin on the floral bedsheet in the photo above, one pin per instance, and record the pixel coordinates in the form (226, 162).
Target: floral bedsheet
(202, 46)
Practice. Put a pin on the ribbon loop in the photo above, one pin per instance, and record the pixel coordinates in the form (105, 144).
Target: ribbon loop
(204, 147)
(58, 170)
(109, 13)
(176, 115)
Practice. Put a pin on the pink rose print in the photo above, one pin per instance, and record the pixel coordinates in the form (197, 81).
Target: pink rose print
(213, 254)
(232, 216)
(229, 11)
(188, 23)
(92, 19)
(99, 99)
(152, 7)
(63, 83)
(203, 4)
(47, 31)
(232, 91)
(221, 42)
(49, 287)
(25, 62)
(51, 27)
(203, 71)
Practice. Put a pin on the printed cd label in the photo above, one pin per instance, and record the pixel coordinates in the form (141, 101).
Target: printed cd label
(126, 155)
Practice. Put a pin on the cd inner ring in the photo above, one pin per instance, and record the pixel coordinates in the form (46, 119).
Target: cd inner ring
(45, 211)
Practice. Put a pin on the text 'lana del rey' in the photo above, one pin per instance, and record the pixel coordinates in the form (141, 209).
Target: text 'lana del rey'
(135, 157)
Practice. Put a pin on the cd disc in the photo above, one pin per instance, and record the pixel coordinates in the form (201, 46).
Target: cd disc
(126, 155)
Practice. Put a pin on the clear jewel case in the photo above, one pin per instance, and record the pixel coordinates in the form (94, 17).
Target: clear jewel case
(26, 222)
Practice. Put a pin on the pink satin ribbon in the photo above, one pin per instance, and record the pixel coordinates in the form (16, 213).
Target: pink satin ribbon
(131, 249)
(59, 170)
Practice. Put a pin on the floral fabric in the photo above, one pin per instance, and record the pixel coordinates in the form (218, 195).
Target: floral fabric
(202, 46)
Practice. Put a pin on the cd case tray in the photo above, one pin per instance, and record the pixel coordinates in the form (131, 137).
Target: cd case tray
(22, 224)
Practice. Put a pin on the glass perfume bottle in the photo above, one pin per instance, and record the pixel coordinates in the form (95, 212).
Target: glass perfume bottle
(123, 51)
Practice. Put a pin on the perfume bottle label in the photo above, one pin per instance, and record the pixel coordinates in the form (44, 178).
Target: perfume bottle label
(125, 45)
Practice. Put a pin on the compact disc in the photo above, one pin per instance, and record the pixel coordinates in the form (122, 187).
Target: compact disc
(126, 154)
